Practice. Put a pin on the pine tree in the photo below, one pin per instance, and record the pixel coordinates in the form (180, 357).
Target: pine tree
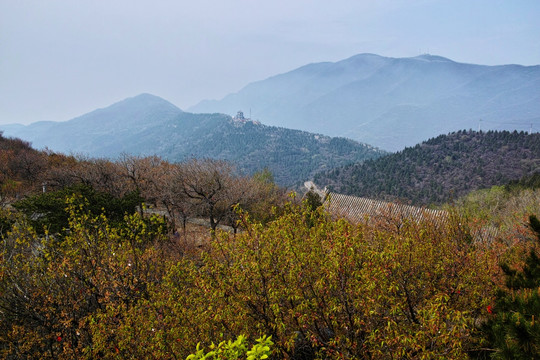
(513, 331)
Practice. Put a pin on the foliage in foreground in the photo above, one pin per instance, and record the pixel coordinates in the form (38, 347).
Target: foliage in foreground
(321, 288)
(232, 350)
(50, 288)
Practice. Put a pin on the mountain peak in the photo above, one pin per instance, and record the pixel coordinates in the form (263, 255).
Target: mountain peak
(132, 115)
(137, 111)
(432, 58)
(391, 102)
(144, 100)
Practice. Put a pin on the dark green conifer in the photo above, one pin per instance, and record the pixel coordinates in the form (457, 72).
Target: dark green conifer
(513, 329)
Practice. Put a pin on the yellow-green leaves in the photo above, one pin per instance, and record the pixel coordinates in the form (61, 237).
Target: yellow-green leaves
(233, 350)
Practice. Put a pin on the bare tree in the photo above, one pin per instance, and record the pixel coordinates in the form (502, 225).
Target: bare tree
(176, 201)
(145, 175)
(207, 184)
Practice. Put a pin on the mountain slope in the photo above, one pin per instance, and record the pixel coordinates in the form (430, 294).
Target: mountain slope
(149, 125)
(392, 102)
(441, 168)
(101, 131)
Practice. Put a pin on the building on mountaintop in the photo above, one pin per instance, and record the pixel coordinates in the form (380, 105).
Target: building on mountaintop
(239, 118)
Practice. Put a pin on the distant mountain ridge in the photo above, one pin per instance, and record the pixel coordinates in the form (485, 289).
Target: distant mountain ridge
(149, 125)
(392, 103)
(440, 169)
(96, 132)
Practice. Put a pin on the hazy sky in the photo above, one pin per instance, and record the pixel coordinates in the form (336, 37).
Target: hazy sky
(63, 58)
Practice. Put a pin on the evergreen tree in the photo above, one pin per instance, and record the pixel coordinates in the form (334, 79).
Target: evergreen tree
(513, 330)
(48, 210)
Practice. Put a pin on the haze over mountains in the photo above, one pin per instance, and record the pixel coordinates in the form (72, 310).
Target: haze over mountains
(392, 103)
(149, 125)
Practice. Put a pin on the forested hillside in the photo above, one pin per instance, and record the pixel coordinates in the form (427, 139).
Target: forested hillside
(292, 156)
(148, 125)
(441, 168)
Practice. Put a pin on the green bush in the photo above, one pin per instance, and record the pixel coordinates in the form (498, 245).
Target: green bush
(231, 350)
